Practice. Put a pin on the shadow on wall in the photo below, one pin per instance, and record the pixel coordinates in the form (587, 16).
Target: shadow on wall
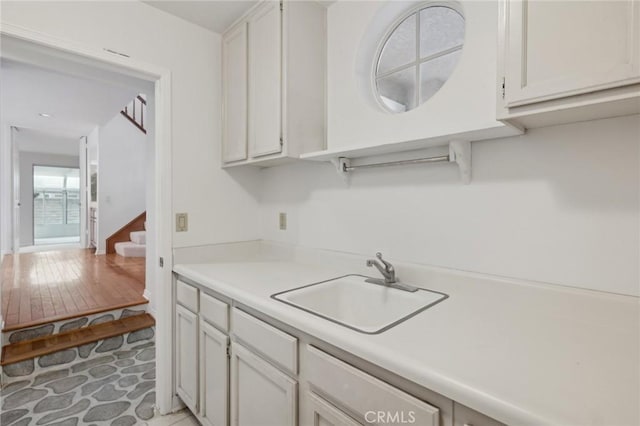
(557, 205)
(591, 165)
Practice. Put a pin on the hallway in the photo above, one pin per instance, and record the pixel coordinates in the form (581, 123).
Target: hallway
(44, 287)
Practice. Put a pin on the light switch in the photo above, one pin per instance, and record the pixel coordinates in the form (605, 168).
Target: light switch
(182, 222)
(283, 221)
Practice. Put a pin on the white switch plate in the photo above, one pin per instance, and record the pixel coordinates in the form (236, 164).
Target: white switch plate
(182, 222)
(283, 221)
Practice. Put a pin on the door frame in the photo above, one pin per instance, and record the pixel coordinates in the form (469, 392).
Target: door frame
(84, 203)
(162, 208)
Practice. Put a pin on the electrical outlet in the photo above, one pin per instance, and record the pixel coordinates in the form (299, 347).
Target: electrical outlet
(182, 222)
(283, 221)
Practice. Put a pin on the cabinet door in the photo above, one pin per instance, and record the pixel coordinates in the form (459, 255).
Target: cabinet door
(556, 49)
(322, 413)
(234, 76)
(187, 357)
(214, 376)
(265, 80)
(261, 395)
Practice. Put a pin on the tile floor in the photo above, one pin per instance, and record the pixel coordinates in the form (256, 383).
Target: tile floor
(116, 388)
(181, 418)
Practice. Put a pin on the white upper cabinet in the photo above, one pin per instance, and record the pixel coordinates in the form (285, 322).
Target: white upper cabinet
(274, 64)
(565, 61)
(234, 74)
(265, 78)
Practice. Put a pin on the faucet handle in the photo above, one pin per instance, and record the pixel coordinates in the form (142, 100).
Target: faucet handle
(387, 265)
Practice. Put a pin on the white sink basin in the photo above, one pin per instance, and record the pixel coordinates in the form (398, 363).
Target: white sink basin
(362, 306)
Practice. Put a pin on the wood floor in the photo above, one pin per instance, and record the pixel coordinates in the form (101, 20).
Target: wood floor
(50, 286)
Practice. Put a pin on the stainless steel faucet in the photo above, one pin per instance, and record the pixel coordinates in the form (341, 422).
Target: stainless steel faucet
(385, 268)
(389, 273)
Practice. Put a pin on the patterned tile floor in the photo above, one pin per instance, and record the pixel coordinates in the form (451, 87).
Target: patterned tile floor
(116, 388)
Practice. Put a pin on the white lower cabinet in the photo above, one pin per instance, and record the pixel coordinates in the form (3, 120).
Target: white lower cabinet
(320, 412)
(261, 395)
(371, 400)
(187, 357)
(214, 376)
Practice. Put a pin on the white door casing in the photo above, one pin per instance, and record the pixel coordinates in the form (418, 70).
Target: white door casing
(162, 208)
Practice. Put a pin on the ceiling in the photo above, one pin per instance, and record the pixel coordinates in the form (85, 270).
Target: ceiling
(215, 15)
(76, 104)
(34, 141)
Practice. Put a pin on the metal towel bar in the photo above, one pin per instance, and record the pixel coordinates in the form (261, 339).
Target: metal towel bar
(459, 153)
(349, 168)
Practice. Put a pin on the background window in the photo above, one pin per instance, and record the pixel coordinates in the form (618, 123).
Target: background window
(418, 57)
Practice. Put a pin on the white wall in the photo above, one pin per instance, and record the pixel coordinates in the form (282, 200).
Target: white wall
(6, 193)
(27, 161)
(122, 173)
(222, 205)
(559, 205)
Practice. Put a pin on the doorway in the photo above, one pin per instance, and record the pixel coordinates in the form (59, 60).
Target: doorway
(56, 205)
(83, 61)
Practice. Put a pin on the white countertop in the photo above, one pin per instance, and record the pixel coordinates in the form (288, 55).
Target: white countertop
(522, 353)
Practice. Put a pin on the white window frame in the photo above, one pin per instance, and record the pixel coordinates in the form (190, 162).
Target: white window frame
(415, 11)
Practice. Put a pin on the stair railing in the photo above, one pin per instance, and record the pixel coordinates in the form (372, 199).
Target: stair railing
(135, 112)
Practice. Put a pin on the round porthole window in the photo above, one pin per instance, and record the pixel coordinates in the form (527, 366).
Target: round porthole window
(418, 56)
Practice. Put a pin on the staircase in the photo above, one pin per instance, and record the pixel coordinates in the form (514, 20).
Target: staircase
(135, 111)
(130, 240)
(136, 247)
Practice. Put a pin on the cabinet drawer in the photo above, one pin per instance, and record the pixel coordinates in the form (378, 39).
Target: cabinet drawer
(214, 311)
(465, 416)
(364, 395)
(271, 342)
(187, 296)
